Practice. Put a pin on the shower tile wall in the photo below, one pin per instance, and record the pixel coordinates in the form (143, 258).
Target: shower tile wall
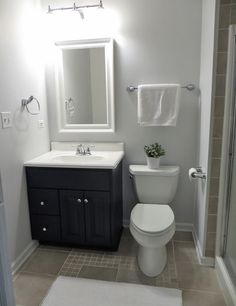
(227, 16)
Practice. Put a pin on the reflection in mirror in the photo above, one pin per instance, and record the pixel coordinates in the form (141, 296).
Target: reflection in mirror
(85, 86)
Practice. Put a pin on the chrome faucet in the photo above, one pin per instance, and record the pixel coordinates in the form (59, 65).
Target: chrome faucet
(81, 150)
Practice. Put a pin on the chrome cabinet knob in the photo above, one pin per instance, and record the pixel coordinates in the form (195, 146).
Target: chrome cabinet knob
(85, 201)
(42, 203)
(44, 229)
(79, 200)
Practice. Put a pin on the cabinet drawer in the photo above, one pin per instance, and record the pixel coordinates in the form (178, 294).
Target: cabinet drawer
(42, 201)
(45, 228)
(63, 178)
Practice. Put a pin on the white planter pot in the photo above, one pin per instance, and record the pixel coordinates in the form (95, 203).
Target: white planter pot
(153, 163)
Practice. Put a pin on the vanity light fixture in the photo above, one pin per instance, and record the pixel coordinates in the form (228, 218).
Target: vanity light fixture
(75, 7)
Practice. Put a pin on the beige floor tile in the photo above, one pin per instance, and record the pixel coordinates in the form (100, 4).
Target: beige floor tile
(30, 289)
(185, 252)
(128, 246)
(174, 285)
(196, 277)
(45, 262)
(134, 277)
(199, 298)
(199, 284)
(183, 236)
(106, 274)
(54, 248)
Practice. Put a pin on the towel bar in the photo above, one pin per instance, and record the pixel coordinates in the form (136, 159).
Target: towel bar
(189, 87)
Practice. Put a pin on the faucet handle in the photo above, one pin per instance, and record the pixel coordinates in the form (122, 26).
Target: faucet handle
(88, 151)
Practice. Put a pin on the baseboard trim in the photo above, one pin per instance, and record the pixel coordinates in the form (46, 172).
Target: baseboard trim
(203, 260)
(184, 227)
(20, 260)
(225, 282)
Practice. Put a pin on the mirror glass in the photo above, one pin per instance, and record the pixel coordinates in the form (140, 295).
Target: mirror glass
(85, 85)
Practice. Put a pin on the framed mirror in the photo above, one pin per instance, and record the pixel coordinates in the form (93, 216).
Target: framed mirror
(85, 85)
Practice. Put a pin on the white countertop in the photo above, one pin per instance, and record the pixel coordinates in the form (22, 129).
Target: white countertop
(62, 156)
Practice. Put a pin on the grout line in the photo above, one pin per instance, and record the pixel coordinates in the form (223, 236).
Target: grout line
(64, 262)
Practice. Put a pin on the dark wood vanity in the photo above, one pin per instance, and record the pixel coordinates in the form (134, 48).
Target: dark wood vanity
(76, 206)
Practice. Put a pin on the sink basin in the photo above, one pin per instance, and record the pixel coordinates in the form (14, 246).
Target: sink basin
(77, 158)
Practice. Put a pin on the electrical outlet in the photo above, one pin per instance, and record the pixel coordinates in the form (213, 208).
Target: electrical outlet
(6, 120)
(41, 124)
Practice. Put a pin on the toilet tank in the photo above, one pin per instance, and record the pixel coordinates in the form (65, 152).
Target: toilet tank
(155, 186)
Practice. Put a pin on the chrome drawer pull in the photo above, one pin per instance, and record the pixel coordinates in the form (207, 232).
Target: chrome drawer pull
(85, 201)
(79, 200)
(44, 229)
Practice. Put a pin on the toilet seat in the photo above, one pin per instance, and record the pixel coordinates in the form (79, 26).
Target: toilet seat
(152, 219)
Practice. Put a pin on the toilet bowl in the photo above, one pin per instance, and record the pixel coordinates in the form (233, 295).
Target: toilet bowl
(152, 224)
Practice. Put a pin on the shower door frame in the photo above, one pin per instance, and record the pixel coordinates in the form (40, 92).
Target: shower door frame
(231, 149)
(228, 142)
(229, 135)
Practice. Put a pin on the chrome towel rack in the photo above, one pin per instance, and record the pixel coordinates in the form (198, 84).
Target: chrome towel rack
(189, 87)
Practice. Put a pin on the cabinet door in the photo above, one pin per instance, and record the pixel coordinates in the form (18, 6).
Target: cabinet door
(72, 216)
(97, 218)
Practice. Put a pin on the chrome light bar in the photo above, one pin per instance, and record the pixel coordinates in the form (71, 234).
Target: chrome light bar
(75, 7)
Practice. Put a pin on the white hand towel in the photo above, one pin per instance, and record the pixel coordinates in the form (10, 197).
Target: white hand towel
(158, 104)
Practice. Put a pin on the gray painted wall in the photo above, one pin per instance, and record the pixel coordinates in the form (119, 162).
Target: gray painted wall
(22, 75)
(156, 42)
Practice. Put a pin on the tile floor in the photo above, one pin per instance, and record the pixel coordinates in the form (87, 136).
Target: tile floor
(199, 284)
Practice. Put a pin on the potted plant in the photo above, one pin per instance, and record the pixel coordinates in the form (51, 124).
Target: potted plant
(153, 153)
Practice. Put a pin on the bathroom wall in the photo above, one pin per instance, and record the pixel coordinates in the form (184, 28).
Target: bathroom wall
(156, 41)
(209, 16)
(22, 75)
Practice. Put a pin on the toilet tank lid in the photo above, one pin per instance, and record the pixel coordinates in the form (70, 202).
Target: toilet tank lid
(162, 171)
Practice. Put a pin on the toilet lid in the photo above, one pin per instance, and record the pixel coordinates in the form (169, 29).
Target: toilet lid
(152, 217)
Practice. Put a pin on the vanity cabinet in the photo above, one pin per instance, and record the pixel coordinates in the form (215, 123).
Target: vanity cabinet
(77, 206)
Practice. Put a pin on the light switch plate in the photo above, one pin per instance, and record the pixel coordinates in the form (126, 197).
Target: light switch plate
(6, 119)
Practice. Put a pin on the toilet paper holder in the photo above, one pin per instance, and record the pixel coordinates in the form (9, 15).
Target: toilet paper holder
(199, 173)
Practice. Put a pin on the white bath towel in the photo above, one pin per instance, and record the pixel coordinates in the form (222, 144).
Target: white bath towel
(158, 104)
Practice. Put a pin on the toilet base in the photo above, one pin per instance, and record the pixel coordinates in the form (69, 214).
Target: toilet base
(152, 261)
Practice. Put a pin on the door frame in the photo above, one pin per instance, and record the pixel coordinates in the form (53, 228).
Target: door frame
(6, 283)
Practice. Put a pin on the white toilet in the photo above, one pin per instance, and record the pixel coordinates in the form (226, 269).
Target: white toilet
(152, 221)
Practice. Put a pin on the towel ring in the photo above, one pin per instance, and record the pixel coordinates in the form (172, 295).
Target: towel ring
(25, 102)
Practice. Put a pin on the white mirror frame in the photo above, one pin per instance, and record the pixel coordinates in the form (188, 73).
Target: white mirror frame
(64, 127)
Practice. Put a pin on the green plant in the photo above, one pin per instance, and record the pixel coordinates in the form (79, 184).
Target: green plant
(154, 150)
